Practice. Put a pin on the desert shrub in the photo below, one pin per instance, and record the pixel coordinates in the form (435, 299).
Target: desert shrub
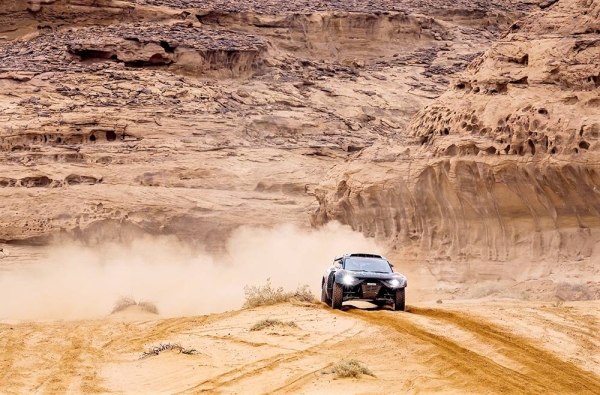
(351, 368)
(303, 294)
(148, 306)
(572, 291)
(264, 295)
(126, 301)
(166, 347)
(123, 303)
(524, 295)
(558, 303)
(515, 294)
(267, 323)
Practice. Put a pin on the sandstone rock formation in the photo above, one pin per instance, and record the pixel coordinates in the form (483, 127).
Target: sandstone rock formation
(191, 118)
(502, 168)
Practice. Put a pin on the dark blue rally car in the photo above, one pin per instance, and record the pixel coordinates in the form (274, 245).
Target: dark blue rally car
(363, 277)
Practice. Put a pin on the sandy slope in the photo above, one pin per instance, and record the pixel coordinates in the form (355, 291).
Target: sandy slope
(457, 347)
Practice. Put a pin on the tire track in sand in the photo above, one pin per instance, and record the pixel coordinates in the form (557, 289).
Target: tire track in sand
(134, 336)
(12, 344)
(257, 367)
(543, 366)
(297, 383)
(544, 372)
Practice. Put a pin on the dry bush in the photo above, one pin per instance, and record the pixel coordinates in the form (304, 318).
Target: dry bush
(351, 368)
(123, 303)
(148, 306)
(267, 323)
(127, 301)
(558, 303)
(303, 294)
(572, 291)
(516, 294)
(264, 295)
(166, 347)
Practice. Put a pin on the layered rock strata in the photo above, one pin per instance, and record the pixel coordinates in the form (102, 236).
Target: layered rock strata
(502, 168)
(182, 47)
(122, 118)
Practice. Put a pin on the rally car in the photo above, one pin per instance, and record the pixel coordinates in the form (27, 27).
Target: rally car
(363, 277)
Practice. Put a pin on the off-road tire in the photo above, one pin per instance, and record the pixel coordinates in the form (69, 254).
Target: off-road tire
(324, 297)
(400, 300)
(337, 297)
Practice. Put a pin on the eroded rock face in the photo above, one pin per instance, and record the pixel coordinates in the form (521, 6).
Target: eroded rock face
(189, 118)
(183, 47)
(275, 7)
(504, 167)
(534, 92)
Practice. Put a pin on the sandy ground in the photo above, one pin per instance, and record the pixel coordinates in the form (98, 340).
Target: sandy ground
(466, 347)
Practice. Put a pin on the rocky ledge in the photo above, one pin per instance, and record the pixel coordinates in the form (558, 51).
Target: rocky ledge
(181, 47)
(503, 167)
(192, 118)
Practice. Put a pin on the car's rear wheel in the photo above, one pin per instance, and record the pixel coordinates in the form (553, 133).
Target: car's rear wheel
(400, 299)
(324, 297)
(337, 297)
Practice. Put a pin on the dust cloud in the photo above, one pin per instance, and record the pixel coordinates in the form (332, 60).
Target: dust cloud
(83, 282)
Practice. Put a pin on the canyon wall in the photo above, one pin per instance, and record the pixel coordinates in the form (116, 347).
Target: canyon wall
(499, 177)
(192, 118)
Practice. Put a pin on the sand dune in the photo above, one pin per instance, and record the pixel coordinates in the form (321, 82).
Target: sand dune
(458, 347)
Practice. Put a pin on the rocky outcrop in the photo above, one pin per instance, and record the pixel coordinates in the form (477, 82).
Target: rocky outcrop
(460, 214)
(19, 18)
(277, 7)
(504, 167)
(534, 93)
(192, 118)
(183, 48)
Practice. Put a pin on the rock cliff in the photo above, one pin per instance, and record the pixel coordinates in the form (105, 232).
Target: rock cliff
(502, 168)
(191, 118)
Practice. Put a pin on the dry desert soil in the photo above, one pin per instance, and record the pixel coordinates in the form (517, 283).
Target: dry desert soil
(177, 151)
(491, 347)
